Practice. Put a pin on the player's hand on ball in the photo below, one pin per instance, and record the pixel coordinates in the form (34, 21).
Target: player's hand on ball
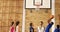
(52, 16)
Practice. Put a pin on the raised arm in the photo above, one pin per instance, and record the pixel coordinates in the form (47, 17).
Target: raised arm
(51, 17)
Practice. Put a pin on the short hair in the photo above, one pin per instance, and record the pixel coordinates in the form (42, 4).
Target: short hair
(17, 23)
(57, 26)
(12, 23)
(52, 23)
(30, 24)
(42, 22)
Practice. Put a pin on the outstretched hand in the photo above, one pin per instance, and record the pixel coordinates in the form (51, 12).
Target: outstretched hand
(52, 16)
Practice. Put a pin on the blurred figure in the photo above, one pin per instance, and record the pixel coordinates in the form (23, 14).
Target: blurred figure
(57, 29)
(41, 27)
(31, 27)
(17, 26)
(12, 29)
(49, 24)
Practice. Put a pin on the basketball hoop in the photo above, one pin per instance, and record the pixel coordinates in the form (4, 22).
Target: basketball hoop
(37, 4)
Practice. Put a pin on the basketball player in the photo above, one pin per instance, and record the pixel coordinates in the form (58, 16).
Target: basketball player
(17, 26)
(12, 29)
(41, 27)
(49, 24)
(57, 29)
(31, 28)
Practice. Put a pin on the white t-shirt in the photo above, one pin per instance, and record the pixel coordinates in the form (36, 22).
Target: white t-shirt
(41, 29)
(17, 29)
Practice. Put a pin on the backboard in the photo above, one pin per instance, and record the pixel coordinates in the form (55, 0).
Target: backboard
(43, 3)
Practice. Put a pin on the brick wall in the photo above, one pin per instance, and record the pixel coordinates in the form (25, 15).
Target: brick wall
(35, 17)
(57, 5)
(10, 10)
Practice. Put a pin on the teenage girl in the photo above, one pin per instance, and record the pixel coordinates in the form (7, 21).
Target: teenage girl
(12, 27)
